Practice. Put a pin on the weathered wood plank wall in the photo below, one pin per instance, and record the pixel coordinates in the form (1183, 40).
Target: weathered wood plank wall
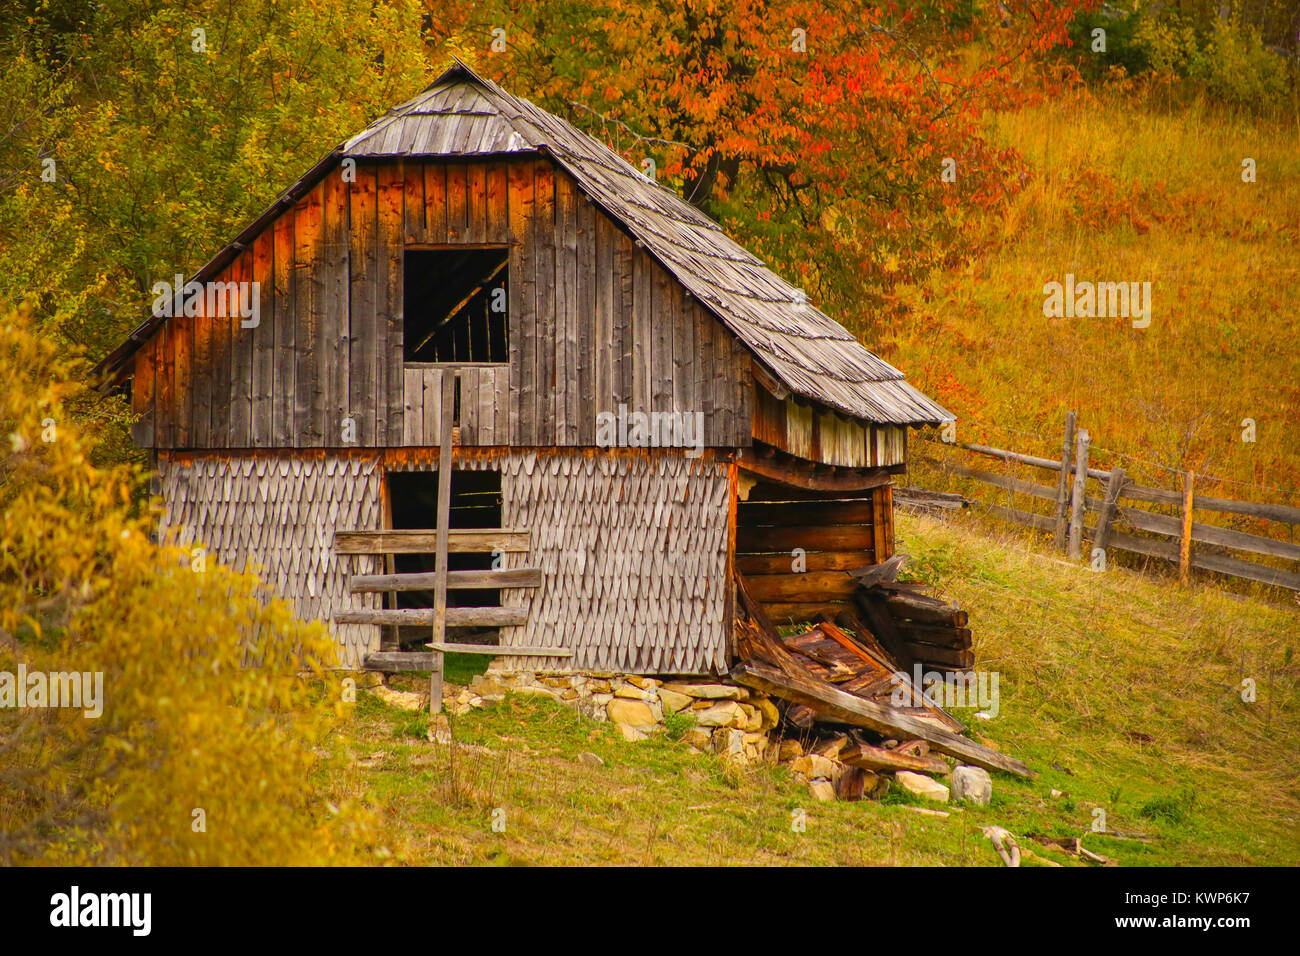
(795, 546)
(594, 323)
(802, 428)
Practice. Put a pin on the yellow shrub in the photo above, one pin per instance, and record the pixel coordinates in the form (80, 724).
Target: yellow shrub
(195, 759)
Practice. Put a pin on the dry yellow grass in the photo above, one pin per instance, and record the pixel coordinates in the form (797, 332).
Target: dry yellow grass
(1124, 189)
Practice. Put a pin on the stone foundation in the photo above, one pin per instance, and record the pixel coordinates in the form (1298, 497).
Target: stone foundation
(734, 722)
(737, 724)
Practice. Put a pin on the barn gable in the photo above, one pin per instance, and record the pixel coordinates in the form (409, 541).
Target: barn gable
(330, 259)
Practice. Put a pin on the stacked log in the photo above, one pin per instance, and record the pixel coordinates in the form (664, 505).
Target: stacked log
(934, 632)
(917, 627)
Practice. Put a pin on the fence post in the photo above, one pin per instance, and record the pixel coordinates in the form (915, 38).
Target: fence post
(1063, 484)
(1080, 491)
(1109, 505)
(1185, 544)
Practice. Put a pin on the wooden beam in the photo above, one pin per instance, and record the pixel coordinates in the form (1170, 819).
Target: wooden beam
(834, 704)
(799, 475)
(1016, 456)
(404, 541)
(806, 586)
(926, 610)
(1079, 493)
(1063, 486)
(942, 635)
(456, 580)
(1016, 485)
(423, 616)
(450, 381)
(1107, 513)
(1219, 563)
(1185, 539)
(769, 381)
(867, 757)
(1208, 533)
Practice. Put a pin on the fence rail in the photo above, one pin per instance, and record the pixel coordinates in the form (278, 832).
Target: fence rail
(1172, 538)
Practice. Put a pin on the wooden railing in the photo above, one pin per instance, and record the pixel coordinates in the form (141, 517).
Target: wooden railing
(1168, 537)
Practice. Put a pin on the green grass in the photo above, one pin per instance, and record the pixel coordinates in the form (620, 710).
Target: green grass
(1120, 690)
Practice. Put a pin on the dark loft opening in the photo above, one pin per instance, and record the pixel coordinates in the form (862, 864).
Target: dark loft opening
(475, 503)
(455, 304)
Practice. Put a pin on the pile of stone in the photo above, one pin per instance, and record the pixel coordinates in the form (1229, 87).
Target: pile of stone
(842, 767)
(710, 717)
(739, 724)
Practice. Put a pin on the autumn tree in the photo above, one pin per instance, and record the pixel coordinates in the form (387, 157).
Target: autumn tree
(840, 140)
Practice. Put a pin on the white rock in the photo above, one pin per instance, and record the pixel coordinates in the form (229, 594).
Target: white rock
(631, 734)
(972, 784)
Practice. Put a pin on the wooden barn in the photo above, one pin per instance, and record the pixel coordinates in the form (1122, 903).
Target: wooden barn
(636, 412)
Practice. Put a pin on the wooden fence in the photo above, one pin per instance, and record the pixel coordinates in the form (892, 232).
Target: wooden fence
(1115, 523)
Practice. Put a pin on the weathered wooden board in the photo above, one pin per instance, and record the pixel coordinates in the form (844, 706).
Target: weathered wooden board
(460, 541)
(503, 578)
(455, 617)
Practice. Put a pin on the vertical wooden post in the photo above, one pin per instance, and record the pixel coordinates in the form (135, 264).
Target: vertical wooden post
(1063, 484)
(1080, 492)
(1109, 506)
(449, 378)
(1185, 545)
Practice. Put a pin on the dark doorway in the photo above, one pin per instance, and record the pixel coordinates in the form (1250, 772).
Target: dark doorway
(475, 503)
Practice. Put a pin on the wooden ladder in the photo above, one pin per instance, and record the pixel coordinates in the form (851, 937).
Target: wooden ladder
(442, 540)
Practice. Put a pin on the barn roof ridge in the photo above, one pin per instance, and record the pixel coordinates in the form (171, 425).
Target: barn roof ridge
(464, 114)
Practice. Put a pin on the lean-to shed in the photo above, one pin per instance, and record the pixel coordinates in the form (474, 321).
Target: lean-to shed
(639, 408)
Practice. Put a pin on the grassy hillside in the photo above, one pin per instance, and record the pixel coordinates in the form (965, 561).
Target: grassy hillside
(1128, 188)
(1121, 691)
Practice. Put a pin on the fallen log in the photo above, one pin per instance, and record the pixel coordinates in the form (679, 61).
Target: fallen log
(835, 704)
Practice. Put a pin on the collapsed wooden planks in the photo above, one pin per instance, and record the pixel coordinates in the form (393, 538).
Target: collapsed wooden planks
(825, 674)
(843, 707)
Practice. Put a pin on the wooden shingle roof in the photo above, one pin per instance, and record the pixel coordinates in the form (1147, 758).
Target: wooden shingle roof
(463, 114)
